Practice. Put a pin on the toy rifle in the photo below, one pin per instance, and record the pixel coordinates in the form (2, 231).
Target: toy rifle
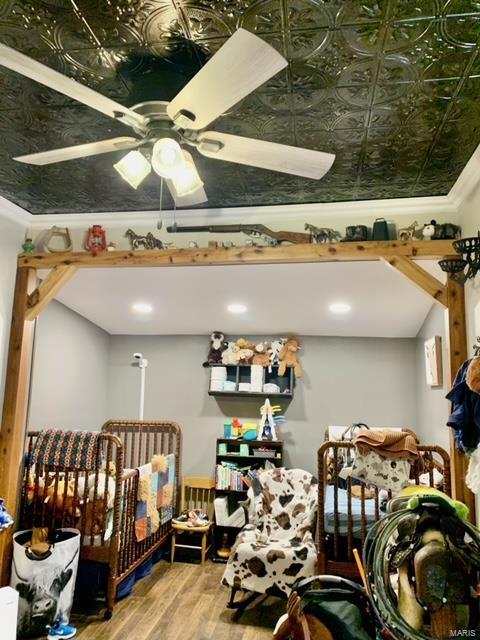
(253, 230)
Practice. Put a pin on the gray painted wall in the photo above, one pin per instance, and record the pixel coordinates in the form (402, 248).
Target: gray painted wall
(346, 380)
(432, 407)
(11, 237)
(70, 372)
(82, 376)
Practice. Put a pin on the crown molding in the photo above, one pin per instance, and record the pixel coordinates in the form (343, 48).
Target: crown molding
(466, 181)
(13, 212)
(396, 207)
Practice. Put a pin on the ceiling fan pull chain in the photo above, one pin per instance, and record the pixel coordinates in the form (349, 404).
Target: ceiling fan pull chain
(160, 222)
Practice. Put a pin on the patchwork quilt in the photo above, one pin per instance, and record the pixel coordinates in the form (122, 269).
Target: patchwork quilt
(155, 495)
(276, 549)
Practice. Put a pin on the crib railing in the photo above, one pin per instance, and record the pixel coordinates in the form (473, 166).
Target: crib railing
(141, 440)
(336, 548)
(55, 496)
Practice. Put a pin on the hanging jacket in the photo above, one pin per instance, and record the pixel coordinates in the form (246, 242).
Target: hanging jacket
(465, 416)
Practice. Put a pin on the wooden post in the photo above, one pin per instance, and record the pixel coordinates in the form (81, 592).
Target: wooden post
(457, 334)
(12, 435)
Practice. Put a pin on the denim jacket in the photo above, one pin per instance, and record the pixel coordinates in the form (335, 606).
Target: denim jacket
(465, 416)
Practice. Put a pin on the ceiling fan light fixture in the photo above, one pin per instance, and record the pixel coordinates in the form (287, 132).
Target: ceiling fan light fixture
(167, 157)
(133, 168)
(186, 180)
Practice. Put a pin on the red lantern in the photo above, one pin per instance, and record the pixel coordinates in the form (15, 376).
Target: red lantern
(96, 240)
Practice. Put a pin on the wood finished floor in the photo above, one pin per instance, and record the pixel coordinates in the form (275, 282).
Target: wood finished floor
(183, 601)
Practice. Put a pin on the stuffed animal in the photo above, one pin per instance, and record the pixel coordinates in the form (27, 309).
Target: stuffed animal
(429, 230)
(89, 492)
(288, 357)
(63, 497)
(246, 352)
(274, 351)
(262, 354)
(217, 347)
(230, 355)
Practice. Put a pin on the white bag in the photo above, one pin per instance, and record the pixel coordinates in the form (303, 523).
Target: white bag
(46, 586)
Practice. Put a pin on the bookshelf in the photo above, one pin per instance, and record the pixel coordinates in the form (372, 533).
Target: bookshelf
(234, 458)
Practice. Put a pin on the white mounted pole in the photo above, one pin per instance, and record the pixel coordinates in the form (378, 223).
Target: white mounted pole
(142, 364)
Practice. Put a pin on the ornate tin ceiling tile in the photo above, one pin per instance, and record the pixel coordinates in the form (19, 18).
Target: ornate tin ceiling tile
(391, 87)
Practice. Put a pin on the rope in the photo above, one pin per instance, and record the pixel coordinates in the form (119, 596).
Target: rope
(377, 565)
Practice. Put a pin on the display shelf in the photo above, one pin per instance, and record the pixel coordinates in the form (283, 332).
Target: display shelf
(244, 462)
(238, 374)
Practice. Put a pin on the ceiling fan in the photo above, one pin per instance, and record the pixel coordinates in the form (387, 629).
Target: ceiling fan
(241, 65)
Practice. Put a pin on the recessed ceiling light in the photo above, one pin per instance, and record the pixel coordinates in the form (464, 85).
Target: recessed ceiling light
(339, 307)
(236, 308)
(142, 307)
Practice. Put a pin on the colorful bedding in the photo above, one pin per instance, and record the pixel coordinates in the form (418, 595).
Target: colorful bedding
(155, 497)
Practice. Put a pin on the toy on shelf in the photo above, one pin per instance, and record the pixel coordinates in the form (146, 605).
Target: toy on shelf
(148, 242)
(231, 354)
(249, 430)
(429, 230)
(262, 355)
(269, 421)
(321, 235)
(96, 240)
(217, 347)
(236, 428)
(246, 351)
(447, 231)
(408, 233)
(274, 351)
(28, 247)
(288, 357)
(58, 232)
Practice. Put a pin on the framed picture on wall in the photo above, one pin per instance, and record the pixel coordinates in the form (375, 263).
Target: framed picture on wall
(433, 361)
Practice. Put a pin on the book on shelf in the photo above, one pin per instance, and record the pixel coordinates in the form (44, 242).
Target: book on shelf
(229, 477)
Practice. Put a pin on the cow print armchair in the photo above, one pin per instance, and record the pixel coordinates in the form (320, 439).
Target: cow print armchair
(276, 548)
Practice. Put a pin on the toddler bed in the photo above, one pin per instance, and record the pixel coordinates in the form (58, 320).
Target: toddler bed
(99, 494)
(347, 509)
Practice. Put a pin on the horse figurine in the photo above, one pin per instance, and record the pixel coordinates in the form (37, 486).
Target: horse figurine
(321, 235)
(408, 233)
(148, 242)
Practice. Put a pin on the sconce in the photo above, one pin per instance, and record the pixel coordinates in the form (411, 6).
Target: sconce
(469, 248)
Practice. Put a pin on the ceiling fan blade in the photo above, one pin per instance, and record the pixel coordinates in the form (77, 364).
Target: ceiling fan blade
(20, 63)
(241, 65)
(80, 151)
(197, 197)
(265, 155)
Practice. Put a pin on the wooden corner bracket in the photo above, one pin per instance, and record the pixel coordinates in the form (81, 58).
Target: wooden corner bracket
(420, 278)
(47, 290)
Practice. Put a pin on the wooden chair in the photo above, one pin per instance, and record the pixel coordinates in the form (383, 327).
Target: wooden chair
(197, 493)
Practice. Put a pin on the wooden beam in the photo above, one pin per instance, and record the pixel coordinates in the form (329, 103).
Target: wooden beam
(44, 294)
(12, 435)
(421, 278)
(457, 338)
(339, 251)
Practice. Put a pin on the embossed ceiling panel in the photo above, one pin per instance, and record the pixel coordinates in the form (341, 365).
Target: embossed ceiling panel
(392, 87)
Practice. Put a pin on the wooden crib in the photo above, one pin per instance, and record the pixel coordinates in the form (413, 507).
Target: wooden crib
(343, 519)
(106, 519)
